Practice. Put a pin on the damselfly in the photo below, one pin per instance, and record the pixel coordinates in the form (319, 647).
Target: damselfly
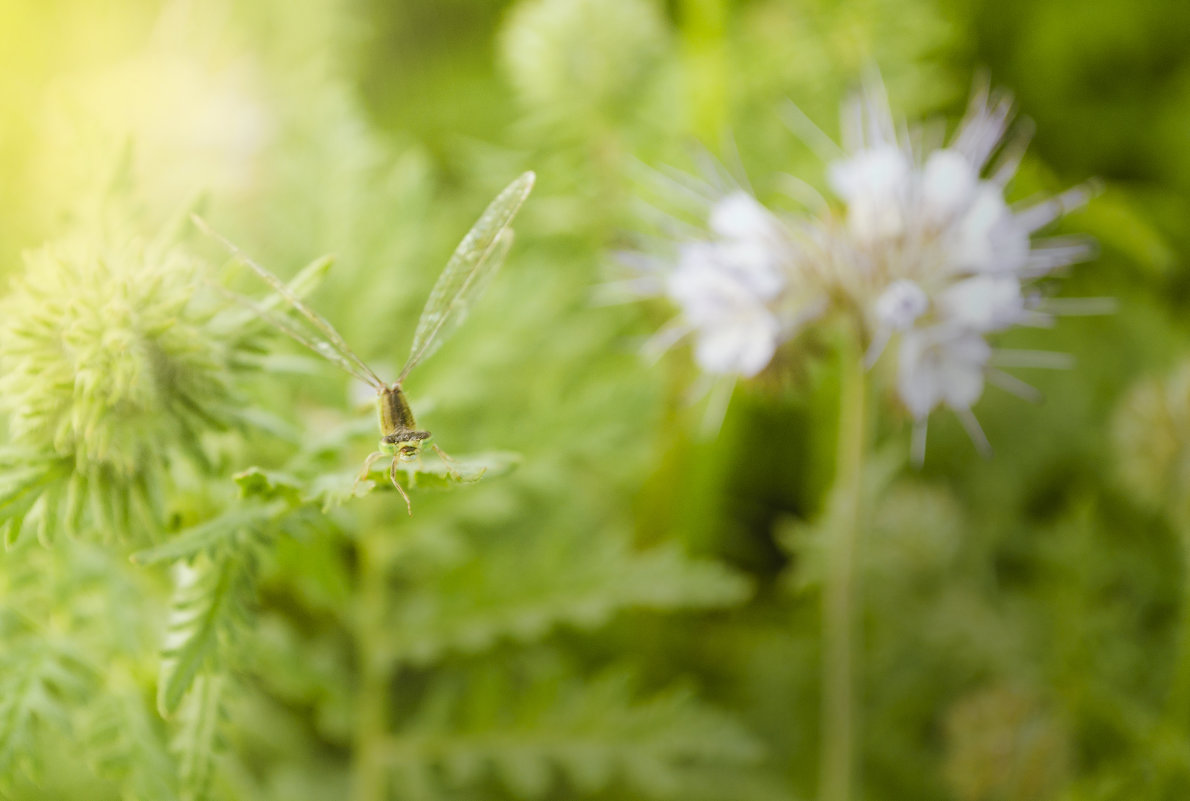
(474, 262)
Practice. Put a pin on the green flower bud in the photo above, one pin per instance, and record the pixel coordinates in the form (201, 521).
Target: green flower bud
(109, 366)
(580, 64)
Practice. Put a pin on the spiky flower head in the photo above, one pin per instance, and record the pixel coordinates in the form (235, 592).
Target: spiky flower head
(740, 286)
(109, 367)
(921, 251)
(933, 256)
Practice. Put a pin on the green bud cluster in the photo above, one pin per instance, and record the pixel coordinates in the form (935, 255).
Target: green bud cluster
(109, 365)
(580, 63)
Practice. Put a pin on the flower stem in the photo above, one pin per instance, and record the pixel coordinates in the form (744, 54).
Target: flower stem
(837, 767)
(1179, 697)
(703, 25)
(372, 702)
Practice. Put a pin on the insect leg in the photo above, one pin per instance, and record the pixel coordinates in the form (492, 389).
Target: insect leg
(367, 468)
(392, 474)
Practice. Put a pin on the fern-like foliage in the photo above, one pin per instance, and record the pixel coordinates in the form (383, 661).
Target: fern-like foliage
(123, 742)
(199, 736)
(590, 735)
(210, 604)
(221, 534)
(215, 566)
(31, 490)
(303, 487)
(76, 626)
(45, 495)
(39, 677)
(560, 580)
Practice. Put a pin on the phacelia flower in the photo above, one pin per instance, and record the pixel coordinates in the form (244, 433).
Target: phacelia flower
(933, 255)
(740, 289)
(926, 257)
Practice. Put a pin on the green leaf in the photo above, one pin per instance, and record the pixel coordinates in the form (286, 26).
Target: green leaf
(559, 580)
(210, 535)
(208, 606)
(41, 680)
(433, 472)
(427, 472)
(257, 482)
(25, 481)
(306, 281)
(122, 743)
(198, 739)
(599, 735)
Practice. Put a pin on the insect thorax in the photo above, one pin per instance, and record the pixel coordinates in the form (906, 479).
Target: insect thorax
(397, 426)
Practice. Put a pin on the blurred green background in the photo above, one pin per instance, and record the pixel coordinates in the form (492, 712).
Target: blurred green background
(633, 612)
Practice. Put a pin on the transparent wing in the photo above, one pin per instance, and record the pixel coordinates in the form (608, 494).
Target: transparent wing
(474, 262)
(285, 326)
(333, 348)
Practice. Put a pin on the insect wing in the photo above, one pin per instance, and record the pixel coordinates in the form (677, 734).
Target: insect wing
(286, 326)
(334, 347)
(473, 264)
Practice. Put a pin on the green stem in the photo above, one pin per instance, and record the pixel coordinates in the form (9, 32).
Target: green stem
(372, 701)
(839, 602)
(1178, 708)
(703, 26)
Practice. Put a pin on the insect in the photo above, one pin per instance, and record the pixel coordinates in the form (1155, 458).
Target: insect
(473, 263)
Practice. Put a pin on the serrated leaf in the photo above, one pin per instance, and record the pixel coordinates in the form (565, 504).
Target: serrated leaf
(432, 472)
(123, 744)
(559, 581)
(257, 482)
(40, 681)
(209, 535)
(207, 605)
(598, 735)
(198, 737)
(427, 472)
(23, 487)
(335, 489)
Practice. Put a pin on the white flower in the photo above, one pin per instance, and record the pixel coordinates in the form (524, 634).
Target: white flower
(738, 290)
(929, 254)
(937, 256)
(899, 306)
(876, 184)
(948, 183)
(743, 345)
(941, 365)
(987, 238)
(983, 303)
(740, 216)
(720, 302)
